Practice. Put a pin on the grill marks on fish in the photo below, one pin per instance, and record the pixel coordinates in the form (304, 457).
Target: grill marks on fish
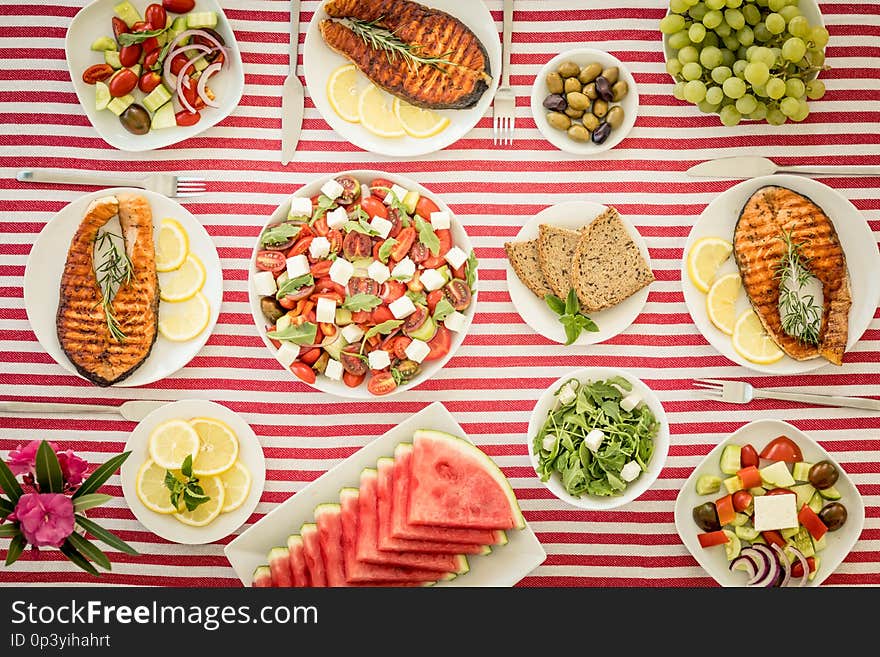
(81, 322)
(758, 248)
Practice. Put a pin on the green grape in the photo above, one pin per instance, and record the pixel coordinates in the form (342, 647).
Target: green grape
(695, 91)
(692, 71)
(698, 12)
(746, 104)
(730, 116)
(679, 40)
(739, 68)
(819, 36)
(775, 88)
(762, 34)
(706, 107)
(790, 106)
(757, 73)
(713, 19)
(735, 18)
(673, 66)
(697, 33)
(710, 57)
(733, 4)
(776, 5)
(816, 57)
(688, 54)
(752, 14)
(762, 3)
(759, 114)
(728, 57)
(715, 4)
(746, 36)
(742, 52)
(723, 31)
(815, 89)
(678, 6)
(691, 3)
(789, 12)
(760, 90)
(794, 49)
(714, 95)
(672, 23)
(775, 116)
(731, 42)
(749, 52)
(678, 90)
(711, 40)
(802, 113)
(794, 88)
(799, 26)
(734, 88)
(775, 23)
(721, 73)
(763, 55)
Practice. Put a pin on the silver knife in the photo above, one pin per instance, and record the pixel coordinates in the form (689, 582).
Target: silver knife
(749, 166)
(292, 93)
(134, 411)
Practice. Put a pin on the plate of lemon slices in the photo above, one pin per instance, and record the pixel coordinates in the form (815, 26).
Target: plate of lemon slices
(196, 472)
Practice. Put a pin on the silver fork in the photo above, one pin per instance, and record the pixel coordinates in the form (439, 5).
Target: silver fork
(740, 392)
(504, 108)
(162, 183)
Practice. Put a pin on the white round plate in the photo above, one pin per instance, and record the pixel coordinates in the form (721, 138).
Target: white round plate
(250, 454)
(459, 238)
(582, 57)
(93, 21)
(45, 265)
(536, 313)
(634, 489)
(319, 62)
(863, 260)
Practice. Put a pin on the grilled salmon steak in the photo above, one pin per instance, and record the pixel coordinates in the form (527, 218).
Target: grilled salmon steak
(81, 321)
(758, 248)
(456, 83)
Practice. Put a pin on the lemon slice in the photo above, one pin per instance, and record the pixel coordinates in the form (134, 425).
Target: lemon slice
(721, 302)
(705, 257)
(218, 447)
(183, 321)
(377, 113)
(236, 485)
(204, 514)
(171, 442)
(343, 92)
(151, 490)
(183, 283)
(172, 245)
(751, 341)
(418, 122)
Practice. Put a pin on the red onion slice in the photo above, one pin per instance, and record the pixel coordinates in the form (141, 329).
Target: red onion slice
(784, 564)
(203, 80)
(772, 575)
(167, 76)
(762, 564)
(201, 33)
(181, 96)
(746, 563)
(800, 557)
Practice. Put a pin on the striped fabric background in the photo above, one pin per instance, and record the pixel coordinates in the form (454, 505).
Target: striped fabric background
(493, 381)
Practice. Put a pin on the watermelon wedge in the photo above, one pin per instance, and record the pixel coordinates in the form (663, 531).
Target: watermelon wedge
(297, 558)
(312, 554)
(330, 536)
(262, 578)
(386, 541)
(401, 528)
(368, 537)
(454, 484)
(279, 566)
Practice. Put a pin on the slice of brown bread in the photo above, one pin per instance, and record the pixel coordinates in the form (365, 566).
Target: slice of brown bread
(523, 258)
(608, 266)
(556, 247)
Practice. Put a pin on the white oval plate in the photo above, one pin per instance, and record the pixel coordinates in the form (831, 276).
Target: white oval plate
(250, 455)
(460, 239)
(94, 21)
(758, 434)
(319, 62)
(582, 57)
(863, 260)
(45, 265)
(536, 313)
(547, 401)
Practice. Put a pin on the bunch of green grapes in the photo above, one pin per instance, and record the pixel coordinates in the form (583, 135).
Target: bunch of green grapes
(745, 59)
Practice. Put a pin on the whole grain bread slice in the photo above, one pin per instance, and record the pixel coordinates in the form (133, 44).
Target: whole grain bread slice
(608, 266)
(523, 258)
(556, 247)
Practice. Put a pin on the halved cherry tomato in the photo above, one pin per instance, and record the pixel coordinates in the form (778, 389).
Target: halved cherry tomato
(750, 477)
(782, 448)
(401, 342)
(330, 286)
(380, 314)
(151, 58)
(287, 304)
(396, 223)
(404, 242)
(302, 293)
(797, 569)
(780, 491)
(351, 360)
(379, 187)
(415, 320)
(458, 294)
(320, 226)
(335, 238)
(300, 246)
(810, 519)
(179, 6)
(418, 253)
(149, 81)
(742, 499)
(303, 371)
(362, 285)
(361, 317)
(425, 207)
(445, 237)
(748, 456)
(97, 73)
(381, 383)
(460, 273)
(140, 26)
(433, 262)
(150, 45)
(184, 118)
(374, 207)
(155, 15)
(357, 245)
(321, 268)
(178, 62)
(392, 291)
(439, 344)
(187, 87)
(271, 261)
(773, 537)
(724, 508)
(122, 83)
(119, 27)
(352, 380)
(433, 299)
(309, 356)
(710, 539)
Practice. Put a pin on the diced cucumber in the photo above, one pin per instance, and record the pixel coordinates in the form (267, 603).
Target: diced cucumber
(119, 105)
(813, 572)
(282, 323)
(804, 542)
(335, 347)
(816, 502)
(112, 57)
(162, 39)
(804, 493)
(777, 474)
(789, 532)
(746, 533)
(426, 331)
(156, 98)
(801, 471)
(104, 43)
(821, 544)
(196, 20)
(127, 12)
(733, 484)
(830, 493)
(757, 491)
(739, 519)
(410, 201)
(102, 95)
(733, 546)
(343, 317)
(201, 64)
(730, 459)
(708, 484)
(136, 69)
(177, 27)
(759, 539)
(444, 271)
(163, 118)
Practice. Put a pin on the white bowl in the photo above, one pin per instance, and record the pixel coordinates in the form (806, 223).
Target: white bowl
(560, 139)
(634, 489)
(460, 239)
(94, 21)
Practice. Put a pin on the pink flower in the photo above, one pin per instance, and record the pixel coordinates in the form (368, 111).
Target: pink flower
(23, 460)
(45, 519)
(72, 467)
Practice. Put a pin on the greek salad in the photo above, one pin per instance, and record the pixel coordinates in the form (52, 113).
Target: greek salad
(774, 515)
(363, 282)
(156, 67)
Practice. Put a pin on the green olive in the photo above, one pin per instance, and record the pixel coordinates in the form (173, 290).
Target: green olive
(554, 83)
(569, 70)
(574, 113)
(571, 85)
(615, 117)
(578, 133)
(590, 122)
(576, 100)
(558, 120)
(590, 91)
(590, 72)
(612, 74)
(600, 107)
(619, 90)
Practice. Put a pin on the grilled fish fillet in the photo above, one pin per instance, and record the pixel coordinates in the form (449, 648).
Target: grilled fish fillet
(81, 322)
(758, 248)
(458, 85)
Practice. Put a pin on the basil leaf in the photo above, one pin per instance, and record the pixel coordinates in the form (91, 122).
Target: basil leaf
(386, 249)
(571, 329)
(280, 234)
(587, 324)
(384, 328)
(302, 334)
(443, 310)
(291, 285)
(131, 38)
(427, 236)
(471, 270)
(572, 305)
(556, 304)
(361, 302)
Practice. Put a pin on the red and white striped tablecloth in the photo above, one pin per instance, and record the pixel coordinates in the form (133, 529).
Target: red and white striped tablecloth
(492, 382)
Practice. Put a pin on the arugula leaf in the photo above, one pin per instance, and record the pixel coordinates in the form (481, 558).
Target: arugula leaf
(303, 334)
(280, 233)
(361, 225)
(443, 310)
(291, 285)
(131, 38)
(417, 297)
(471, 270)
(386, 249)
(384, 328)
(427, 236)
(324, 203)
(555, 304)
(361, 302)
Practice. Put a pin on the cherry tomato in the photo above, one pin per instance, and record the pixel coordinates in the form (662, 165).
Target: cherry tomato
(149, 81)
(97, 73)
(399, 346)
(119, 27)
(303, 371)
(300, 246)
(780, 491)
(425, 207)
(380, 314)
(357, 245)
(361, 317)
(351, 360)
(309, 356)
(440, 344)
(335, 238)
(123, 82)
(184, 118)
(418, 253)
(321, 268)
(782, 448)
(460, 273)
(320, 226)
(774, 537)
(190, 92)
(445, 237)
(130, 55)
(352, 380)
(433, 262)
(287, 304)
(178, 62)
(179, 6)
(151, 58)
(140, 26)
(374, 207)
(155, 15)
(150, 45)
(415, 320)
(404, 242)
(396, 223)
(458, 294)
(748, 456)
(381, 383)
(741, 500)
(302, 293)
(797, 569)
(361, 285)
(329, 285)
(379, 187)
(271, 261)
(392, 291)
(433, 299)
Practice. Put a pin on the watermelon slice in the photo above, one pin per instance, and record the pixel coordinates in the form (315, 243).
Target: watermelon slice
(454, 484)
(312, 554)
(262, 578)
(279, 566)
(297, 558)
(330, 536)
(357, 571)
(368, 537)
(401, 528)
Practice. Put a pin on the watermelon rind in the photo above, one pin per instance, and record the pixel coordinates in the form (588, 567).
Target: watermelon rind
(490, 467)
(262, 577)
(293, 540)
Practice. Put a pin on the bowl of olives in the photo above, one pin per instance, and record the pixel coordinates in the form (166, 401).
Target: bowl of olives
(584, 101)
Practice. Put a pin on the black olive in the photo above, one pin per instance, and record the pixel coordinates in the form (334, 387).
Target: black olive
(833, 515)
(603, 88)
(823, 475)
(556, 102)
(135, 119)
(601, 133)
(706, 517)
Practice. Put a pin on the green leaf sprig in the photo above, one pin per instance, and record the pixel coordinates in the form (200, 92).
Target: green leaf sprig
(471, 271)
(189, 490)
(380, 38)
(570, 316)
(386, 249)
(801, 314)
(113, 272)
(443, 310)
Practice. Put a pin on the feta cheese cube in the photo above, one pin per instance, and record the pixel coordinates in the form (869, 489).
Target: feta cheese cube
(594, 440)
(352, 333)
(568, 393)
(340, 271)
(432, 279)
(319, 248)
(630, 471)
(381, 226)
(440, 220)
(379, 359)
(775, 512)
(264, 283)
(287, 353)
(417, 350)
(548, 442)
(332, 190)
(337, 218)
(629, 402)
(402, 307)
(333, 370)
(455, 321)
(398, 191)
(297, 265)
(405, 269)
(325, 311)
(456, 257)
(378, 272)
(300, 206)
(365, 191)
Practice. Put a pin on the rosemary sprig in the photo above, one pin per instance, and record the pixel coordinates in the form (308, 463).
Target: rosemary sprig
(801, 316)
(113, 272)
(380, 38)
